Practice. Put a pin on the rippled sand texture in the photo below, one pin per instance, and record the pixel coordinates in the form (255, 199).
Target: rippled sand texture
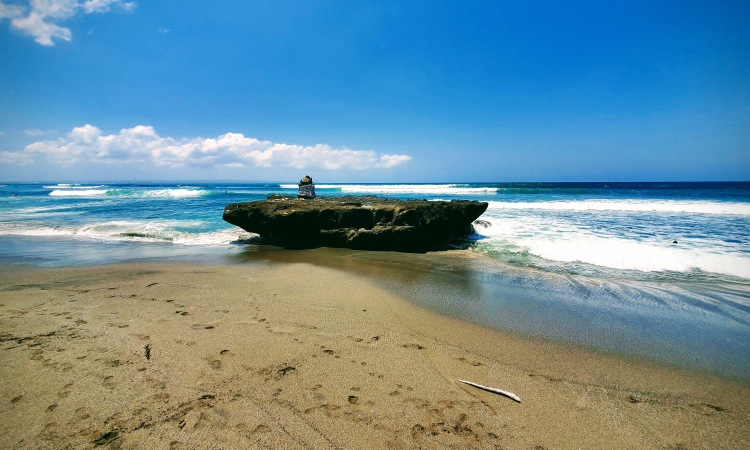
(300, 356)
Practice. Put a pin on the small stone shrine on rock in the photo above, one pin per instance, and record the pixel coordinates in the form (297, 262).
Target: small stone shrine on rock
(306, 188)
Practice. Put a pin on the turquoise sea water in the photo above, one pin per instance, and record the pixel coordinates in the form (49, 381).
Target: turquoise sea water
(654, 270)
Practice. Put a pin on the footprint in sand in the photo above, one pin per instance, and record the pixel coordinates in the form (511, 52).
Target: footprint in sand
(214, 364)
(162, 397)
(467, 361)
(706, 408)
(413, 346)
(262, 428)
(82, 413)
(113, 363)
(49, 432)
(190, 421)
(327, 409)
(359, 339)
(107, 438)
(65, 391)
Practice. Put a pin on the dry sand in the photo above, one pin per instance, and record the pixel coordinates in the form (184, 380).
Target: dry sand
(301, 356)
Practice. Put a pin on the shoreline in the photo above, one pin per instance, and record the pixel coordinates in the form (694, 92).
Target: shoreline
(302, 355)
(693, 323)
(473, 287)
(669, 329)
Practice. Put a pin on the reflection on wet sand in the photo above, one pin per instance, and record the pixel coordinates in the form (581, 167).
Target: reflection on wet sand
(693, 325)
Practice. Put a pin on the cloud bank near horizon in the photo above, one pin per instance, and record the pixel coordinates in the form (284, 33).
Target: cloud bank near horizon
(41, 19)
(141, 145)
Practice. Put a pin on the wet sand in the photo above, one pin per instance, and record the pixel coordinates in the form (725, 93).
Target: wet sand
(297, 355)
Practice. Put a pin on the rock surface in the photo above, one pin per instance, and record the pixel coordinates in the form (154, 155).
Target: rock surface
(372, 223)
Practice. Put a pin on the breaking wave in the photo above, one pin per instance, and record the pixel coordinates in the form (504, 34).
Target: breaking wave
(661, 206)
(534, 242)
(176, 232)
(117, 192)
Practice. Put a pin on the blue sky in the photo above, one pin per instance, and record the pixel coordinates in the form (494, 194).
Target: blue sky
(381, 91)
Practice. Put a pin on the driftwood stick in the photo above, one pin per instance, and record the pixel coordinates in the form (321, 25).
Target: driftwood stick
(493, 390)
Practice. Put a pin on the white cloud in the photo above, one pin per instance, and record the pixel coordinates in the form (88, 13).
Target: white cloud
(91, 6)
(10, 11)
(142, 145)
(54, 9)
(15, 158)
(34, 132)
(41, 18)
(388, 161)
(86, 134)
(42, 31)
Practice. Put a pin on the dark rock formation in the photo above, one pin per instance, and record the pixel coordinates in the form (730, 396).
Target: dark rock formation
(372, 223)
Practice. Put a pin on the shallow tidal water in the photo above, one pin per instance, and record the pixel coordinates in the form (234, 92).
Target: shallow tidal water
(698, 325)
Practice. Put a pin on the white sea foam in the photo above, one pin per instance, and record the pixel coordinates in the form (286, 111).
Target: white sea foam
(72, 186)
(567, 243)
(52, 210)
(662, 206)
(113, 192)
(41, 209)
(427, 189)
(15, 215)
(175, 193)
(129, 229)
(41, 231)
(78, 193)
(180, 232)
(38, 212)
(222, 237)
(631, 255)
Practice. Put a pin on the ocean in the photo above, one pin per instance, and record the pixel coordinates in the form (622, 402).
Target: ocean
(659, 271)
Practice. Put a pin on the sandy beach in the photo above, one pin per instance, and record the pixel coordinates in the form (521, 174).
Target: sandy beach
(295, 355)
